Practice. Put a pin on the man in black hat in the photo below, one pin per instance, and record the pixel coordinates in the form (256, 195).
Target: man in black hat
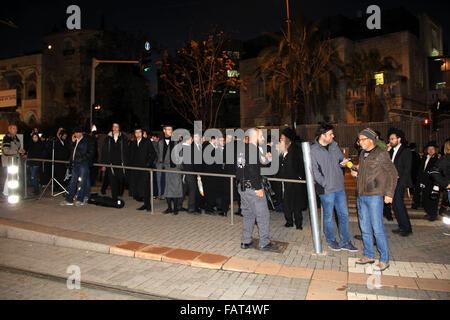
(292, 167)
(143, 155)
(115, 152)
(424, 180)
(173, 189)
(402, 158)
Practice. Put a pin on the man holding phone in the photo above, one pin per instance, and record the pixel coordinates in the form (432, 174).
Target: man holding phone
(327, 164)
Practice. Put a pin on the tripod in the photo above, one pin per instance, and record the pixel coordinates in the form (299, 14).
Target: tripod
(53, 179)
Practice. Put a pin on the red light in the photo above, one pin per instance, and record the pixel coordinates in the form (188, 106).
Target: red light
(425, 121)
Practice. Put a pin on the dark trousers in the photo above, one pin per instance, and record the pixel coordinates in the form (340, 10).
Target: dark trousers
(93, 175)
(210, 189)
(430, 206)
(146, 190)
(174, 203)
(401, 214)
(105, 183)
(116, 179)
(190, 188)
(417, 196)
(289, 206)
(225, 195)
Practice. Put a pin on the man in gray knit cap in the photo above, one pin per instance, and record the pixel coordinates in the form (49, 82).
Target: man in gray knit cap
(377, 179)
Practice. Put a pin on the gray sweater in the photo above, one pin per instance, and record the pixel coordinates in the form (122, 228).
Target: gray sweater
(326, 168)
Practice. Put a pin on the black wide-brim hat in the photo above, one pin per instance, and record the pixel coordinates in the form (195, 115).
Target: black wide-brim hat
(289, 133)
(432, 144)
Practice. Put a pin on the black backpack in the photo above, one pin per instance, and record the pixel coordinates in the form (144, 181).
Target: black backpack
(106, 201)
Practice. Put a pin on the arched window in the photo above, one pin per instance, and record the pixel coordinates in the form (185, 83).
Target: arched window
(30, 86)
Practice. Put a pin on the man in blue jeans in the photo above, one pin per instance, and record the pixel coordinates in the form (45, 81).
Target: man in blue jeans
(328, 163)
(377, 179)
(81, 155)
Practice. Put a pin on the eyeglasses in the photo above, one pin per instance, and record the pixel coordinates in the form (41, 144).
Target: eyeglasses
(362, 139)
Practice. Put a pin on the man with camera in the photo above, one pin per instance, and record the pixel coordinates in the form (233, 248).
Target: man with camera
(253, 200)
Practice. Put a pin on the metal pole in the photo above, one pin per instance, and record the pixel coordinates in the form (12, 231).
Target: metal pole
(94, 65)
(311, 197)
(151, 192)
(25, 183)
(231, 200)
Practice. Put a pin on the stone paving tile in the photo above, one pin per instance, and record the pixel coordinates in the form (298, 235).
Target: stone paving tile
(326, 290)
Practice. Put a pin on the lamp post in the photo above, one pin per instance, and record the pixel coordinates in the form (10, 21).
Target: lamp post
(95, 63)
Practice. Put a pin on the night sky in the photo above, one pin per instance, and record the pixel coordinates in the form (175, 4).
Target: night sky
(170, 22)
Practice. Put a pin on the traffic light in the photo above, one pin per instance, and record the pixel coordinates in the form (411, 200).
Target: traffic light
(426, 121)
(146, 60)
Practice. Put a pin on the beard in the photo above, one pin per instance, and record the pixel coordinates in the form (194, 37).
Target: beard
(282, 148)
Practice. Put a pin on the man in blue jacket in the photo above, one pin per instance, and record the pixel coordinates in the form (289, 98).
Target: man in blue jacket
(81, 155)
(327, 163)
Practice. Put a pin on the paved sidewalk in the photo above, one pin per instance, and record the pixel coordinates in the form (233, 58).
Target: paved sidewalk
(426, 251)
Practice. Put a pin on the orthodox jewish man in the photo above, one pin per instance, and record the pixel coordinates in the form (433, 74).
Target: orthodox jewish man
(173, 191)
(142, 154)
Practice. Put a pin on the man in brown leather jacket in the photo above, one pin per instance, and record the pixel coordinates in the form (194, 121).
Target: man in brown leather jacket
(377, 179)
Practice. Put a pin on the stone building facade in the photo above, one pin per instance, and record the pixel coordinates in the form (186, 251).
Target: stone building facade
(407, 89)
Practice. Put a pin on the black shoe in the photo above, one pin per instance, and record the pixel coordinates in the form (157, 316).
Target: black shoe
(432, 218)
(247, 245)
(211, 212)
(270, 247)
(183, 209)
(299, 228)
(222, 213)
(143, 208)
(288, 225)
(175, 212)
(414, 207)
(389, 218)
(397, 231)
(168, 210)
(358, 237)
(405, 233)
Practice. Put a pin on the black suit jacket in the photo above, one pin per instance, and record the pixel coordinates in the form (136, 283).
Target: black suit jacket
(424, 177)
(403, 162)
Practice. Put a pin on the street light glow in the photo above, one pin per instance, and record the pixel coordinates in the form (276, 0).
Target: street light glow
(13, 199)
(13, 184)
(446, 220)
(13, 169)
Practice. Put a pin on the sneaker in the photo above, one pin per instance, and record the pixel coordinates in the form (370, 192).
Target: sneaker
(381, 266)
(349, 247)
(79, 203)
(247, 245)
(334, 246)
(270, 247)
(66, 203)
(365, 260)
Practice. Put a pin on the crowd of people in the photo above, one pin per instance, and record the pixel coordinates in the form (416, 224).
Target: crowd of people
(385, 171)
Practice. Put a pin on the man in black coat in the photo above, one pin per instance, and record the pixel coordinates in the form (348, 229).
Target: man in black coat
(62, 152)
(211, 185)
(292, 167)
(115, 152)
(190, 185)
(142, 154)
(415, 167)
(429, 161)
(402, 159)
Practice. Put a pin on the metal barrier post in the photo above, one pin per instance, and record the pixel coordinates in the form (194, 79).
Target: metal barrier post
(311, 197)
(231, 201)
(25, 178)
(151, 192)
